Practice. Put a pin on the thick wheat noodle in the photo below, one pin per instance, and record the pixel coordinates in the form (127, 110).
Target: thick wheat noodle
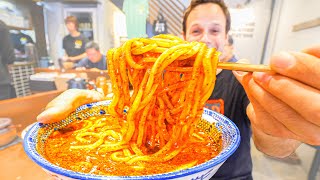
(171, 81)
(192, 84)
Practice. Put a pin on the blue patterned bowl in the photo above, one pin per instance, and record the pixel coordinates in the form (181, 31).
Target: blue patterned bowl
(230, 136)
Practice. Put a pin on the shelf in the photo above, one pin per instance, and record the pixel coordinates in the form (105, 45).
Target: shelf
(85, 29)
(18, 28)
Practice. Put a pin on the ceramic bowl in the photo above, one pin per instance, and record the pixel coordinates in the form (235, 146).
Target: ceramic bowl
(230, 136)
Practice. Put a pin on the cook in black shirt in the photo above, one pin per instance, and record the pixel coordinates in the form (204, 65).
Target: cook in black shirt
(74, 43)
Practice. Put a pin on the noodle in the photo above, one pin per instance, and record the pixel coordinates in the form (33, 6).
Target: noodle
(154, 86)
(171, 81)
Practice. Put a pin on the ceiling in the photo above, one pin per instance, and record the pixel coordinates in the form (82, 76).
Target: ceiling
(70, 1)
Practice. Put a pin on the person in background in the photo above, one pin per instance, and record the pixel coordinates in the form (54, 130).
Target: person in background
(228, 51)
(94, 60)
(160, 25)
(283, 110)
(19, 40)
(6, 57)
(74, 43)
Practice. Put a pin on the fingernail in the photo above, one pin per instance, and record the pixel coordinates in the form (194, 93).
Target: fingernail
(261, 77)
(284, 60)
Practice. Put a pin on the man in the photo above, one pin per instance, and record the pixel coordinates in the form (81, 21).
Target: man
(94, 60)
(6, 57)
(209, 22)
(74, 43)
(277, 120)
(20, 40)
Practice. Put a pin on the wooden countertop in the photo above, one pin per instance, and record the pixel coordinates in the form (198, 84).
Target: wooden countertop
(14, 163)
(24, 110)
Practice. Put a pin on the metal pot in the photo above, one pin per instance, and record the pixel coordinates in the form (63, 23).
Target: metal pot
(77, 83)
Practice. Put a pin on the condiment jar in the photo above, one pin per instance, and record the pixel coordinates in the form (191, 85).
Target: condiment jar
(102, 85)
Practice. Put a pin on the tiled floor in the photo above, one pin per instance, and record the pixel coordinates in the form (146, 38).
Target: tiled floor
(265, 168)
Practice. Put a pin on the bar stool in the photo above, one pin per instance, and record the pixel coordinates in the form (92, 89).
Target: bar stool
(315, 164)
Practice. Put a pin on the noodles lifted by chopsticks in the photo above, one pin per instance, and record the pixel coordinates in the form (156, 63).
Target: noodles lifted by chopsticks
(171, 80)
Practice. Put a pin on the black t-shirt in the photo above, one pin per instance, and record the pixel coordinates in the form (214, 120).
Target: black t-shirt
(20, 40)
(230, 99)
(74, 46)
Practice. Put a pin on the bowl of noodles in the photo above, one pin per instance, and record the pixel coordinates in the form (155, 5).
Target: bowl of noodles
(228, 139)
(154, 127)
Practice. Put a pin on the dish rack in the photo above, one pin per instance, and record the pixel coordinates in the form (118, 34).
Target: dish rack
(20, 74)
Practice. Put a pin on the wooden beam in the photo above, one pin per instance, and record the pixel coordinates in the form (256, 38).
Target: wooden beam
(306, 25)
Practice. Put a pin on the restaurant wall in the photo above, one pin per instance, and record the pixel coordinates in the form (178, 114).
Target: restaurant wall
(249, 25)
(112, 25)
(293, 12)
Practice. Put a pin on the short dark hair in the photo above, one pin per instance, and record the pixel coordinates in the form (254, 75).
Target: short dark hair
(73, 20)
(93, 45)
(230, 40)
(195, 3)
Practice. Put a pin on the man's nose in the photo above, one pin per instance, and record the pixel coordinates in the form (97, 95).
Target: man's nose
(205, 39)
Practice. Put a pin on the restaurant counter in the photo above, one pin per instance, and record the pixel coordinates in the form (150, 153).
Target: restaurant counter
(15, 164)
(92, 74)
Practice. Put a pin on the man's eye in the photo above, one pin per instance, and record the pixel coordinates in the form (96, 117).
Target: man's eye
(195, 31)
(214, 31)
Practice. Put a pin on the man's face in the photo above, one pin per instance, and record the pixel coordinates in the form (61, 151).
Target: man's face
(71, 26)
(207, 23)
(93, 55)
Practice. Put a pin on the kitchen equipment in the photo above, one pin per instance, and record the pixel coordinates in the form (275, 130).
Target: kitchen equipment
(103, 85)
(77, 83)
(80, 83)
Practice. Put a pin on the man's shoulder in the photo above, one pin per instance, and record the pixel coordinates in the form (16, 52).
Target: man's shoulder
(82, 37)
(67, 37)
(83, 62)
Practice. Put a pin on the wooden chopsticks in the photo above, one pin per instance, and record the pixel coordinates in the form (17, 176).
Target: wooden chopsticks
(244, 67)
